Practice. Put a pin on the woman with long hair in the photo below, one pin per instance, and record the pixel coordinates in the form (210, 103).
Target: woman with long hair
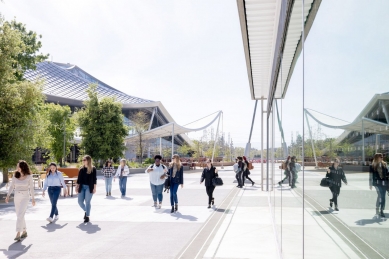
(176, 175)
(108, 172)
(286, 167)
(54, 181)
(86, 185)
(336, 176)
(209, 173)
(246, 173)
(122, 172)
(379, 179)
(23, 185)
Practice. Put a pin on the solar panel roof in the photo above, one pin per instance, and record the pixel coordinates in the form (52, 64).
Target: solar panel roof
(69, 81)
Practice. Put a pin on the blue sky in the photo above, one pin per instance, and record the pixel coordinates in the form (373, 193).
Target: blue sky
(189, 55)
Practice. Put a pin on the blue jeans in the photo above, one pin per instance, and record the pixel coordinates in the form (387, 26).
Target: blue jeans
(381, 198)
(54, 192)
(86, 196)
(123, 185)
(157, 191)
(108, 184)
(173, 193)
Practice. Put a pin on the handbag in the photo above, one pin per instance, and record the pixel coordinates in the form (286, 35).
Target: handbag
(217, 181)
(325, 182)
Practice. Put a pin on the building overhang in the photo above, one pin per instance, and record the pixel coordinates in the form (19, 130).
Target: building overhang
(271, 33)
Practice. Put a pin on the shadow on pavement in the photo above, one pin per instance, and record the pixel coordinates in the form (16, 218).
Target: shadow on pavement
(15, 250)
(51, 227)
(178, 215)
(89, 228)
(374, 220)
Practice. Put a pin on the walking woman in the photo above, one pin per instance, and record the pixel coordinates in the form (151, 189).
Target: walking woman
(246, 173)
(108, 172)
(379, 179)
(157, 173)
(209, 173)
(23, 185)
(86, 185)
(176, 175)
(336, 176)
(122, 172)
(54, 181)
(286, 167)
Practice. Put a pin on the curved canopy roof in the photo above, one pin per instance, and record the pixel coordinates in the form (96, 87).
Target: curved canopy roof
(69, 81)
(169, 129)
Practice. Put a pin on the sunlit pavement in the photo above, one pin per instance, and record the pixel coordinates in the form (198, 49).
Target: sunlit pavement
(238, 226)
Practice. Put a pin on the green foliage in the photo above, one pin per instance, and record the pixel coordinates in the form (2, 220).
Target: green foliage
(60, 127)
(21, 121)
(29, 57)
(102, 128)
(140, 121)
(149, 161)
(132, 164)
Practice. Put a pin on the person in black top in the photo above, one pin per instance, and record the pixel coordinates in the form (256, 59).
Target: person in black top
(379, 179)
(176, 176)
(336, 176)
(209, 173)
(86, 185)
(241, 169)
(246, 172)
(292, 172)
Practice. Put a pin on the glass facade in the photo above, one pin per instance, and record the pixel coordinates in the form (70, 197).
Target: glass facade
(334, 107)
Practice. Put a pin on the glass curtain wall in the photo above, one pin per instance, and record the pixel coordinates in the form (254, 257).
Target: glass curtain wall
(334, 107)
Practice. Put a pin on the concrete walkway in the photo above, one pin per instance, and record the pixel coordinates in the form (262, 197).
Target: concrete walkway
(240, 225)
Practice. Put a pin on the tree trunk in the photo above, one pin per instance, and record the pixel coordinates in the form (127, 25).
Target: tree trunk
(5, 175)
(140, 147)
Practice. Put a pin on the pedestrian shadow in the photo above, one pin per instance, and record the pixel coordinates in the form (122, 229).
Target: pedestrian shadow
(178, 215)
(89, 228)
(51, 227)
(126, 198)
(375, 220)
(110, 198)
(15, 250)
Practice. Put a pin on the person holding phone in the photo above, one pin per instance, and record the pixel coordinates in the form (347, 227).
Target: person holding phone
(157, 173)
(176, 176)
(122, 172)
(54, 181)
(23, 185)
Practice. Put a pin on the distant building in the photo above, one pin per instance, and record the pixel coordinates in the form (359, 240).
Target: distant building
(66, 84)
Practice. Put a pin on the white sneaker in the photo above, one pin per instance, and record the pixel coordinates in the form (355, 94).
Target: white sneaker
(56, 217)
(159, 205)
(49, 219)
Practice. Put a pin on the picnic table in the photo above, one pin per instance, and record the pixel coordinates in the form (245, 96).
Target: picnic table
(70, 179)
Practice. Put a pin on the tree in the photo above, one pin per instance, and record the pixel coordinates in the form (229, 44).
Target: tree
(21, 101)
(140, 124)
(29, 57)
(102, 128)
(61, 127)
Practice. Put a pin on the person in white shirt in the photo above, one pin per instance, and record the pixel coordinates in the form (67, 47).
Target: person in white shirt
(23, 185)
(157, 173)
(122, 172)
(236, 170)
(54, 181)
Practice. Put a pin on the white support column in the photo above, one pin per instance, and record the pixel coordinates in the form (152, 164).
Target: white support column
(152, 118)
(310, 135)
(262, 169)
(160, 146)
(217, 133)
(363, 142)
(173, 141)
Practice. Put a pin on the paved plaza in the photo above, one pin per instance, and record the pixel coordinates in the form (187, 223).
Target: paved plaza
(238, 226)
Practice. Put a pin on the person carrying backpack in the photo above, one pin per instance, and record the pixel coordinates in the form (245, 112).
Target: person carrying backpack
(246, 172)
(286, 168)
(242, 167)
(157, 173)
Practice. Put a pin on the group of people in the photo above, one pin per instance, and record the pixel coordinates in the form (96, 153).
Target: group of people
(242, 172)
(159, 175)
(291, 169)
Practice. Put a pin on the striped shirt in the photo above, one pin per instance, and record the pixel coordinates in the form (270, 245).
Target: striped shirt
(108, 172)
